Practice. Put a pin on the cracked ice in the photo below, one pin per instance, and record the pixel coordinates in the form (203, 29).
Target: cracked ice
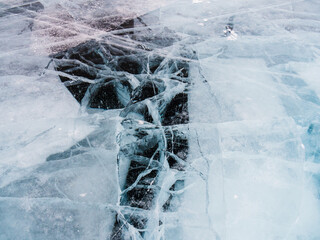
(159, 120)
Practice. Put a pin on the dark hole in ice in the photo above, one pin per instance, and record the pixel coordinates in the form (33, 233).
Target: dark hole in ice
(130, 65)
(147, 88)
(78, 90)
(120, 230)
(137, 222)
(105, 97)
(147, 151)
(108, 95)
(154, 63)
(137, 111)
(177, 111)
(135, 170)
(166, 205)
(177, 145)
(173, 200)
(182, 68)
(139, 198)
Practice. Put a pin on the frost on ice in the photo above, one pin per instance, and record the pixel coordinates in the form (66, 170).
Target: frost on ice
(167, 120)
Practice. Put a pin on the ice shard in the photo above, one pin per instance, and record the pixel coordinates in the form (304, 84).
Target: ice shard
(186, 119)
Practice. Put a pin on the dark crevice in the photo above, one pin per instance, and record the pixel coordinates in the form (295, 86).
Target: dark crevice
(151, 101)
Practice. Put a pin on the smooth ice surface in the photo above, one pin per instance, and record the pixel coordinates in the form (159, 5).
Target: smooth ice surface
(236, 157)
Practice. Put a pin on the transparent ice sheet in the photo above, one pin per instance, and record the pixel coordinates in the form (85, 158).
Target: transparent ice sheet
(247, 165)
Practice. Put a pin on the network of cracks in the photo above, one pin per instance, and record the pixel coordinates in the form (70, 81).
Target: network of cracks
(145, 73)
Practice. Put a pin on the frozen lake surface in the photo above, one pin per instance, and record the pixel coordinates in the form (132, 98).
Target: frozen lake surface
(160, 120)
